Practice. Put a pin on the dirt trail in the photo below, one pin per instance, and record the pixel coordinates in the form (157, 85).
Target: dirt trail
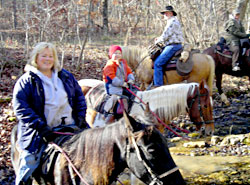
(206, 164)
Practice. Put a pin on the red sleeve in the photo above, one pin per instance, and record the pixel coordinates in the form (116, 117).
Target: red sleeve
(109, 71)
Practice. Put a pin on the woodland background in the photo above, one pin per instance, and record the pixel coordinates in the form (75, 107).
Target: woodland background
(73, 25)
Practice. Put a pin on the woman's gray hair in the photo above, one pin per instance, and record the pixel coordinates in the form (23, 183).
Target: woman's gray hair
(39, 47)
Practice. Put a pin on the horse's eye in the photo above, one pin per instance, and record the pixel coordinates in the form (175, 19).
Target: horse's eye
(205, 106)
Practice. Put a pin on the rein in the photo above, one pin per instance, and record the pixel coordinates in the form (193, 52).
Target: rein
(68, 159)
(222, 54)
(156, 178)
(199, 95)
(157, 116)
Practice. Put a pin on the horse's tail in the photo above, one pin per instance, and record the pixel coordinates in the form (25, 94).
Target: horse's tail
(212, 73)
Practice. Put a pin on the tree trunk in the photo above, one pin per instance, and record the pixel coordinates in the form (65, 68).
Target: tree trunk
(86, 34)
(148, 14)
(14, 15)
(1, 3)
(105, 16)
(27, 30)
(242, 6)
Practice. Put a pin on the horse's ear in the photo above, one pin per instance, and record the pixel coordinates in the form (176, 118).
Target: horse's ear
(130, 122)
(148, 114)
(202, 85)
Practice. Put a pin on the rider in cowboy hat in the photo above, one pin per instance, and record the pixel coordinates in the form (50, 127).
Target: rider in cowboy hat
(172, 37)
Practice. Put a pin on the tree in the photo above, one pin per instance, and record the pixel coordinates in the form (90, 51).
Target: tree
(242, 6)
(14, 15)
(105, 16)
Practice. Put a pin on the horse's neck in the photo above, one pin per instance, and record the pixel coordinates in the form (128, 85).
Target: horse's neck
(133, 56)
(166, 105)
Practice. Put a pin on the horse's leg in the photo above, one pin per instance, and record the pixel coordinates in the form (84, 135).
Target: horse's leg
(218, 85)
(218, 81)
(90, 117)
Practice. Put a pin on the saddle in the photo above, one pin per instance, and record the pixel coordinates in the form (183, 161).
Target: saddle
(110, 104)
(175, 63)
(223, 49)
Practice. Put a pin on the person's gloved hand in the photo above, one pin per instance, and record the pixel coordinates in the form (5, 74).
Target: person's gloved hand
(125, 84)
(131, 81)
(47, 134)
(82, 124)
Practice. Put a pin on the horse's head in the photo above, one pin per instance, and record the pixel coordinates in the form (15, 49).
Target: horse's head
(147, 154)
(200, 108)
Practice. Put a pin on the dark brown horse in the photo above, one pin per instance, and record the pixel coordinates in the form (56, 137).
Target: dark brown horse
(223, 65)
(101, 154)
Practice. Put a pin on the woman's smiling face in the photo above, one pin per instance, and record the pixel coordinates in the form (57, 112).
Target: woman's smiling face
(45, 60)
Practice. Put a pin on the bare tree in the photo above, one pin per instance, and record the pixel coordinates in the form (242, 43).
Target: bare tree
(242, 6)
(14, 15)
(105, 16)
(86, 33)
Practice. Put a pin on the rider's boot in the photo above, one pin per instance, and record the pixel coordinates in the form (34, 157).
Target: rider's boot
(236, 67)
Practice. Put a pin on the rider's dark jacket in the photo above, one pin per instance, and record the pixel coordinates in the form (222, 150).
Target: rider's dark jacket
(234, 32)
(29, 102)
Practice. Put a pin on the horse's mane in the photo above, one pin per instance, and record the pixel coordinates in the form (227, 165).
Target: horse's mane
(93, 151)
(133, 54)
(98, 94)
(168, 101)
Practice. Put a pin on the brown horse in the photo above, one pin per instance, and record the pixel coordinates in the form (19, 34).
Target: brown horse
(223, 64)
(141, 64)
(101, 154)
(167, 102)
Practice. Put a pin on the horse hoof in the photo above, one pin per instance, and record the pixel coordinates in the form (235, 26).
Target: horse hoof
(224, 99)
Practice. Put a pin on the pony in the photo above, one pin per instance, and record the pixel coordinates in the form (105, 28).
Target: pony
(223, 65)
(167, 102)
(99, 155)
(140, 62)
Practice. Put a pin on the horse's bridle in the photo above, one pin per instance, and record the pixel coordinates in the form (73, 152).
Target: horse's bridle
(199, 95)
(156, 178)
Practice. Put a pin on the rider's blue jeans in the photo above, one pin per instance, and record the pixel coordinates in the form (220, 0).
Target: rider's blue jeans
(161, 60)
(28, 163)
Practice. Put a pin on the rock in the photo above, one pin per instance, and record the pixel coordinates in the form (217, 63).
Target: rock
(175, 139)
(194, 134)
(199, 144)
(215, 140)
(182, 125)
(220, 176)
(246, 141)
(233, 139)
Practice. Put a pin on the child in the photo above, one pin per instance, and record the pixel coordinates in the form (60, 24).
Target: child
(117, 74)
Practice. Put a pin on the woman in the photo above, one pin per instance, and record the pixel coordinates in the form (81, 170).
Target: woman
(44, 98)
